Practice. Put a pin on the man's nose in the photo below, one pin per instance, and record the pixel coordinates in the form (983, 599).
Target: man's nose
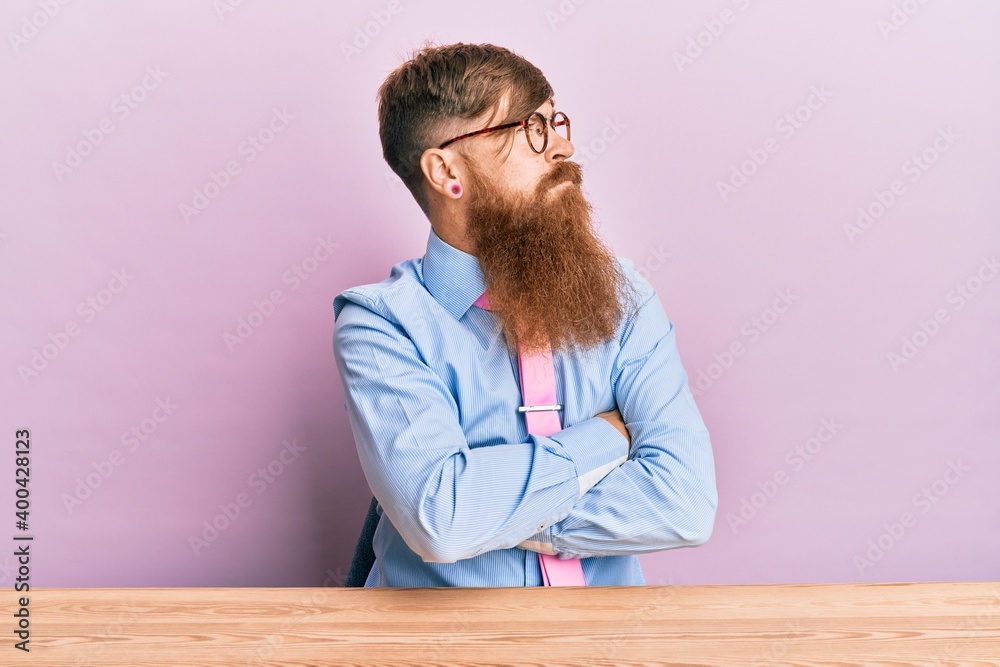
(559, 147)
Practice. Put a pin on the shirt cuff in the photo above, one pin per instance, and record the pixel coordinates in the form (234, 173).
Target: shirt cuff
(596, 448)
(540, 542)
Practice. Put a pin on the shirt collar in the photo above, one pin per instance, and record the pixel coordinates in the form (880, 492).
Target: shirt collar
(452, 276)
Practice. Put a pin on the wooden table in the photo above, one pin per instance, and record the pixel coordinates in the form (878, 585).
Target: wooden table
(839, 624)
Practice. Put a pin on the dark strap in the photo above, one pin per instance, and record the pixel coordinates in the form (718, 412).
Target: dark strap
(364, 554)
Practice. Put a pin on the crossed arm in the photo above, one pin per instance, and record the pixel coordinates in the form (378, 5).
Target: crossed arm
(570, 493)
(664, 496)
(448, 501)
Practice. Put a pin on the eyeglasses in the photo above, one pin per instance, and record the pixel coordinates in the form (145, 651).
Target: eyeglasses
(536, 129)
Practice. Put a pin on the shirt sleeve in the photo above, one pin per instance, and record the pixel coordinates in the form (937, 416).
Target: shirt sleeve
(664, 496)
(447, 501)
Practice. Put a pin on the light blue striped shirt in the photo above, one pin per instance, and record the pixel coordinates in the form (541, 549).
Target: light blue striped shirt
(466, 496)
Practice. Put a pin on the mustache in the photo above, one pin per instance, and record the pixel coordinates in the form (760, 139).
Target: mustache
(562, 171)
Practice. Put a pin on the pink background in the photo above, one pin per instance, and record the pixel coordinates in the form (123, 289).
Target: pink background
(655, 139)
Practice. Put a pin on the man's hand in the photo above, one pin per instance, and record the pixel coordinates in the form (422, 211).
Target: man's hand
(614, 417)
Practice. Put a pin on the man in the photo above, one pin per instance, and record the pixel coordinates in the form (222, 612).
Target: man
(467, 496)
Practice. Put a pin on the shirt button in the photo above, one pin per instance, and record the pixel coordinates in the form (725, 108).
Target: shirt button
(541, 527)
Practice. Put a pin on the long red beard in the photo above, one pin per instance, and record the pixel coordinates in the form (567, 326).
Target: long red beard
(551, 280)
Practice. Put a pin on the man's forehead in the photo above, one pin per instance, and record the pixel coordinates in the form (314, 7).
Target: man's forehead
(548, 105)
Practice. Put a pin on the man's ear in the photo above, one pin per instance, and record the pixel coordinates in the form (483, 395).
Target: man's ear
(438, 167)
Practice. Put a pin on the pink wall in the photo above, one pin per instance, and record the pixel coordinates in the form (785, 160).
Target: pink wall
(228, 163)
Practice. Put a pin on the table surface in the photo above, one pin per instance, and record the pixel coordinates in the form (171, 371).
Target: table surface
(810, 624)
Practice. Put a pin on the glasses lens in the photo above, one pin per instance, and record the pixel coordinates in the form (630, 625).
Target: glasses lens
(536, 132)
(561, 123)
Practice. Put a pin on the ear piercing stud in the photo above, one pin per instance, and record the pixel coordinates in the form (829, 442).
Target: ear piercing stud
(456, 189)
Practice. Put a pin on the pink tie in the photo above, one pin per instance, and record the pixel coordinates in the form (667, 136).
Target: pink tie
(538, 388)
